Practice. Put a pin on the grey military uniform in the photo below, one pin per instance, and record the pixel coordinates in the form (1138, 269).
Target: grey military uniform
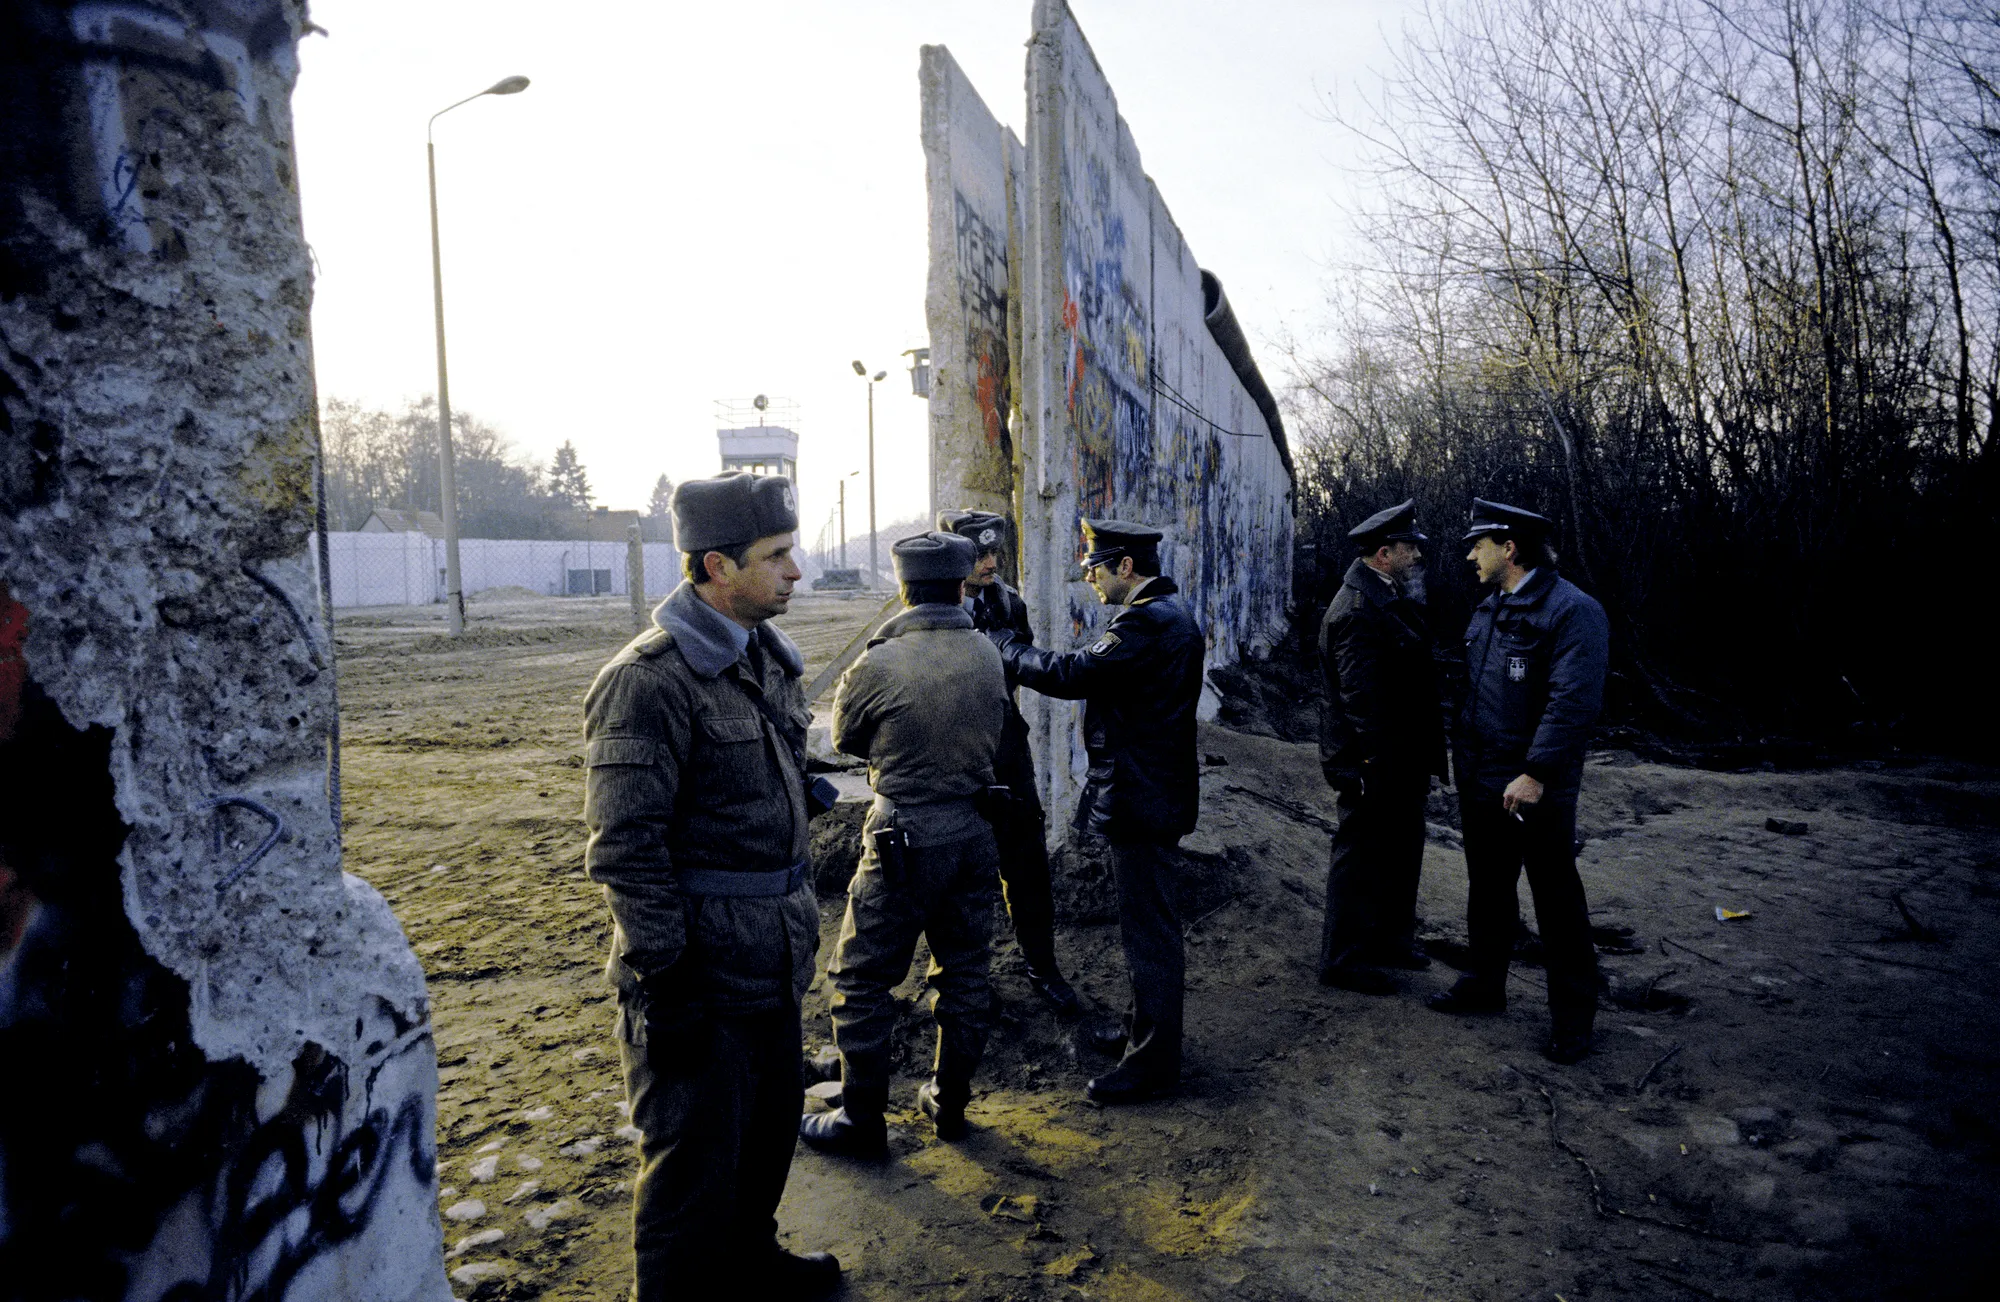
(924, 706)
(698, 833)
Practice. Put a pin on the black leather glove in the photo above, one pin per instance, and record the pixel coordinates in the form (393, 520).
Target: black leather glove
(1346, 782)
(678, 1021)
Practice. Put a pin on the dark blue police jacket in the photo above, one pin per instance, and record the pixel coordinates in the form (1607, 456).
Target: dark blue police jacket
(1535, 663)
(1139, 681)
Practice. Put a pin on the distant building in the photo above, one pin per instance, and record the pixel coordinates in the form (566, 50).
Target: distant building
(390, 519)
(602, 525)
(761, 450)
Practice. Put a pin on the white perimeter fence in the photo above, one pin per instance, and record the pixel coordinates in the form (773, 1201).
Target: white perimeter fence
(407, 569)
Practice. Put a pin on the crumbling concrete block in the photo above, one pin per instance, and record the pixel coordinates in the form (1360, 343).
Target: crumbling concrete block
(217, 1077)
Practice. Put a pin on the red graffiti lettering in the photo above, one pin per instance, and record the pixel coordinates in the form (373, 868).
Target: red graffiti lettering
(987, 391)
(16, 904)
(13, 663)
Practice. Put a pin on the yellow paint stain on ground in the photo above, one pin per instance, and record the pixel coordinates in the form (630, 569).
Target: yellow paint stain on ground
(1054, 1146)
(952, 1171)
(1122, 1284)
(1067, 1265)
(1186, 1227)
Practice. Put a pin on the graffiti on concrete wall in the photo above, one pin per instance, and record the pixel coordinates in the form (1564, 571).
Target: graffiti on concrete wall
(216, 1073)
(982, 260)
(1161, 428)
(967, 303)
(1129, 406)
(136, 1168)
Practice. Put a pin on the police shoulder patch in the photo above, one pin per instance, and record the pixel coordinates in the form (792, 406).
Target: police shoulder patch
(1103, 646)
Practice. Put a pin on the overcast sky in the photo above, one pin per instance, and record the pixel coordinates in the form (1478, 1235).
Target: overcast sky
(696, 202)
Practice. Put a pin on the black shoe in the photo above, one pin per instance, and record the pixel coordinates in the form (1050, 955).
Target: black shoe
(1057, 994)
(842, 1135)
(1127, 1084)
(792, 1277)
(1360, 980)
(949, 1117)
(1568, 1049)
(1470, 996)
(1106, 1036)
(1569, 1043)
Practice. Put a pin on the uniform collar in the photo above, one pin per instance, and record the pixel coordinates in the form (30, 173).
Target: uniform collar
(1151, 590)
(1371, 582)
(710, 641)
(1535, 587)
(927, 616)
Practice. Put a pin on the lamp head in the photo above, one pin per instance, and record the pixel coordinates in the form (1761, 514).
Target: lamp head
(508, 86)
(859, 369)
(881, 375)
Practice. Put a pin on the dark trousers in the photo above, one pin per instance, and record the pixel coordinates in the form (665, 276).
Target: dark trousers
(1024, 879)
(1543, 841)
(945, 896)
(1149, 924)
(1371, 880)
(717, 1122)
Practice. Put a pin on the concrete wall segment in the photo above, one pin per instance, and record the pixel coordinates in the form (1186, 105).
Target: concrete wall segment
(966, 295)
(226, 1040)
(1127, 405)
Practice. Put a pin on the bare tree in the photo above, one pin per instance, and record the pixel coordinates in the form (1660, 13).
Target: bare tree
(1711, 284)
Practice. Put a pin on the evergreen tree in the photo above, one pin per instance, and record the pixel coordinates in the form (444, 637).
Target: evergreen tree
(569, 486)
(658, 524)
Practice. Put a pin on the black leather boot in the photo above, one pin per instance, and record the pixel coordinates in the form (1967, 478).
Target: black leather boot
(854, 1129)
(943, 1097)
(1569, 1039)
(1128, 1083)
(945, 1107)
(794, 1277)
(1039, 953)
(1471, 996)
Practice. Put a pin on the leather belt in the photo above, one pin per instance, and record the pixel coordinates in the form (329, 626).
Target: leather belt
(716, 881)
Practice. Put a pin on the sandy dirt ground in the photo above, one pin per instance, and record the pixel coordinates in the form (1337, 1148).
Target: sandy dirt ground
(1800, 1103)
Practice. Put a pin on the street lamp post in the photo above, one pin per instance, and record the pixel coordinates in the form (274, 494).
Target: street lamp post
(843, 516)
(447, 478)
(874, 559)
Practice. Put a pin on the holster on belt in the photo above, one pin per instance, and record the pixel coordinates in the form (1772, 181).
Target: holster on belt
(892, 846)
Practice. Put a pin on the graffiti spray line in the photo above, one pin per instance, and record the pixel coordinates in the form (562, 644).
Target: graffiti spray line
(1173, 396)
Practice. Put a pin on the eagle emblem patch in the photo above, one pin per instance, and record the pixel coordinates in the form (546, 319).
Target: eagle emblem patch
(1103, 646)
(1517, 669)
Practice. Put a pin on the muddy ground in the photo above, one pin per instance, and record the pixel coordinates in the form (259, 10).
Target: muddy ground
(1799, 1103)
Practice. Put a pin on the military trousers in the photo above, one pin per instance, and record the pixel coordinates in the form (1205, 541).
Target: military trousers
(1149, 925)
(947, 894)
(1371, 878)
(1498, 847)
(718, 1115)
(1024, 880)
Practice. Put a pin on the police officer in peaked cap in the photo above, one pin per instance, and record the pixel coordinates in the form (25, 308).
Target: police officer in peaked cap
(1536, 654)
(1139, 681)
(696, 804)
(1024, 854)
(1381, 739)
